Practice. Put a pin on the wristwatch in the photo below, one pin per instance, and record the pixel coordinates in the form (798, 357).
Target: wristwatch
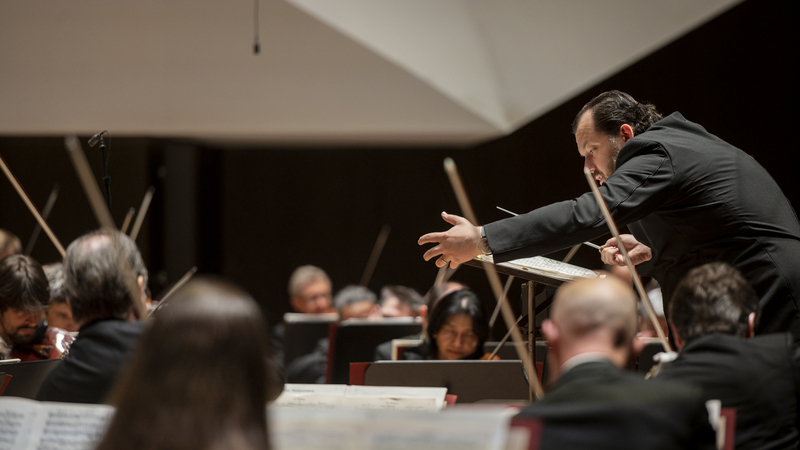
(483, 244)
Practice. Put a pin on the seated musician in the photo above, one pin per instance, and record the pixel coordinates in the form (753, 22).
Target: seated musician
(399, 301)
(352, 302)
(310, 292)
(434, 294)
(105, 279)
(199, 378)
(714, 312)
(593, 403)
(9, 244)
(23, 298)
(457, 329)
(59, 313)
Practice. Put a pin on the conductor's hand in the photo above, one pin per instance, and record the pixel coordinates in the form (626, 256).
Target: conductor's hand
(637, 251)
(457, 245)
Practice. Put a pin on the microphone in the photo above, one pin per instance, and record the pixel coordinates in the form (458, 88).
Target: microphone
(96, 138)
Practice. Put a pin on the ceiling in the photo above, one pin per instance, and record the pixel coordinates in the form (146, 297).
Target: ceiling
(329, 72)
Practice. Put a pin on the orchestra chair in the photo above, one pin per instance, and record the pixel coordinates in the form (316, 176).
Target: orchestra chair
(354, 340)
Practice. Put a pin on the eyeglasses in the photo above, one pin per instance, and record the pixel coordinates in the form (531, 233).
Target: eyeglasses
(449, 334)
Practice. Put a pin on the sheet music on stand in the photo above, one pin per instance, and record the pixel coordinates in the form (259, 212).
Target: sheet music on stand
(539, 267)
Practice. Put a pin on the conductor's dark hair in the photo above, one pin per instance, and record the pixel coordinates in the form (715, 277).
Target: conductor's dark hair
(612, 109)
(456, 303)
(100, 272)
(712, 298)
(23, 284)
(199, 377)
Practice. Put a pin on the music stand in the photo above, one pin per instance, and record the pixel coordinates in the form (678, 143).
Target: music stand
(302, 332)
(27, 377)
(538, 272)
(355, 340)
(465, 378)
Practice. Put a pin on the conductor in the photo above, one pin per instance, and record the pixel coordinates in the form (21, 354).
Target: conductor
(687, 197)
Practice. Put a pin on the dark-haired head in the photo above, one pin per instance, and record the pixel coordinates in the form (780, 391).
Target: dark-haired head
(457, 327)
(613, 109)
(24, 294)
(713, 298)
(199, 378)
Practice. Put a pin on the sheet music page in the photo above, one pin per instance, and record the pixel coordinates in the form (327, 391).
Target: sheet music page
(28, 424)
(321, 396)
(546, 267)
(395, 398)
(472, 428)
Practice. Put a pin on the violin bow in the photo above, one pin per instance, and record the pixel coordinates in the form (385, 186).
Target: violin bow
(137, 225)
(377, 249)
(32, 208)
(127, 221)
(637, 281)
(48, 208)
(184, 279)
(494, 281)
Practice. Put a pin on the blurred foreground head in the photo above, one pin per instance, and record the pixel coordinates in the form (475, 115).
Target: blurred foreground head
(199, 378)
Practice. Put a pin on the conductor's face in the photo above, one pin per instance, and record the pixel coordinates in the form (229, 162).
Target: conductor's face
(598, 149)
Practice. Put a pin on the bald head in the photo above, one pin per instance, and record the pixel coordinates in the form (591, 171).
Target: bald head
(587, 309)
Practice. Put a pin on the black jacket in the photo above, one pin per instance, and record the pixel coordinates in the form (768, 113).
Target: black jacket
(93, 363)
(693, 199)
(760, 377)
(596, 405)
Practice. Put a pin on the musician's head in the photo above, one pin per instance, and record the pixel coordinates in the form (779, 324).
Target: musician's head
(591, 315)
(59, 311)
(605, 124)
(713, 298)
(400, 301)
(23, 298)
(9, 244)
(310, 290)
(457, 327)
(356, 302)
(105, 277)
(199, 378)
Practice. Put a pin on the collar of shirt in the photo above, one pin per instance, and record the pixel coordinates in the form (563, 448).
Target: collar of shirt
(583, 358)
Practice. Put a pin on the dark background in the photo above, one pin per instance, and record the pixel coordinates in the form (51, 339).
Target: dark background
(253, 215)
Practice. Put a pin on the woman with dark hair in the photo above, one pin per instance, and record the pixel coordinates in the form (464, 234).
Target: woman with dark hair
(199, 378)
(457, 328)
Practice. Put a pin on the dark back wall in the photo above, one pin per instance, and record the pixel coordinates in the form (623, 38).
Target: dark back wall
(253, 215)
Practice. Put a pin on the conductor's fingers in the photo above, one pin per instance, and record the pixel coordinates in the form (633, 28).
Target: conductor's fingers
(431, 237)
(433, 252)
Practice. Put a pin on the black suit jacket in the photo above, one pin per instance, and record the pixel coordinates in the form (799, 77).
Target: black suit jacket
(93, 363)
(760, 377)
(595, 405)
(693, 199)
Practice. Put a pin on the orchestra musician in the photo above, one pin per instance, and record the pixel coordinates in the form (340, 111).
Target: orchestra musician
(9, 244)
(457, 329)
(59, 313)
(24, 294)
(105, 279)
(687, 197)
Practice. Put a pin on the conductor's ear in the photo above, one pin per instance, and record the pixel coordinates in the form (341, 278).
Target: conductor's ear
(626, 132)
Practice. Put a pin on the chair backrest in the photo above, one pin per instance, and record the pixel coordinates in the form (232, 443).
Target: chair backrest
(27, 377)
(355, 341)
(464, 378)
